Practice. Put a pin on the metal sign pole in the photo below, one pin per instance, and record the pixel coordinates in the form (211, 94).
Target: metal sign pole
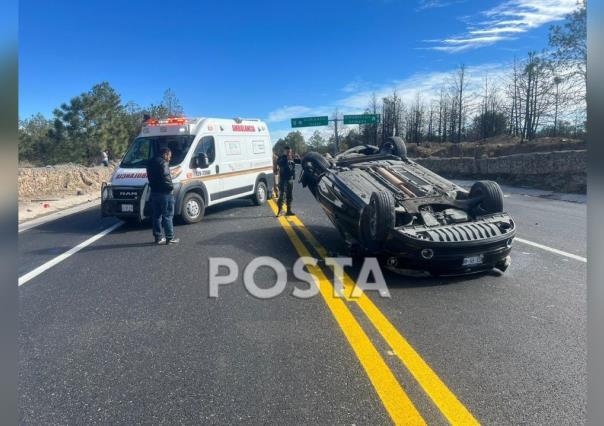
(346, 119)
(337, 138)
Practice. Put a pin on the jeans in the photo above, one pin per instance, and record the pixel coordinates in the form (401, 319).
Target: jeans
(286, 188)
(162, 206)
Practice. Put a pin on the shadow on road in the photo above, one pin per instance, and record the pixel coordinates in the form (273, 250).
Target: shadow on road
(258, 241)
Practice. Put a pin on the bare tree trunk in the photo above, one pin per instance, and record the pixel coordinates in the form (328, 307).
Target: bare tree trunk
(461, 76)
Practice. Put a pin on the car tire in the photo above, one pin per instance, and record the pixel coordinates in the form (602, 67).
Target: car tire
(193, 208)
(490, 194)
(313, 166)
(398, 146)
(260, 194)
(380, 216)
(315, 160)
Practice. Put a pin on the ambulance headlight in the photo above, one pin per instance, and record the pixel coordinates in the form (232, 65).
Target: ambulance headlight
(106, 192)
(175, 172)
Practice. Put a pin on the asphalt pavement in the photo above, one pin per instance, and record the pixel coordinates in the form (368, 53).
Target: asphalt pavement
(123, 331)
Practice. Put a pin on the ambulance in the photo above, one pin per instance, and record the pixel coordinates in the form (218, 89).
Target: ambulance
(213, 160)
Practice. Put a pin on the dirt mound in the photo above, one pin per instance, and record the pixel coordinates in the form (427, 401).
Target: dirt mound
(62, 180)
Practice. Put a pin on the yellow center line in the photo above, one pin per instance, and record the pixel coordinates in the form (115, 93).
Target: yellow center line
(397, 403)
(453, 410)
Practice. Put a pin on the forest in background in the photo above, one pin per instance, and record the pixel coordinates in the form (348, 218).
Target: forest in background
(543, 94)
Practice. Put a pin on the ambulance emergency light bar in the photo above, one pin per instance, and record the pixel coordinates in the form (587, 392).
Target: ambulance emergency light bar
(168, 121)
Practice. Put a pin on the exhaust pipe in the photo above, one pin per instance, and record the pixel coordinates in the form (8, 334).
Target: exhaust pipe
(394, 180)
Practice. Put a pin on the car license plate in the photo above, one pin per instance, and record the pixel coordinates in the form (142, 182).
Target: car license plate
(473, 260)
(127, 208)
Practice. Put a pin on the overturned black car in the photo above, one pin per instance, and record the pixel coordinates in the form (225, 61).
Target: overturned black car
(413, 220)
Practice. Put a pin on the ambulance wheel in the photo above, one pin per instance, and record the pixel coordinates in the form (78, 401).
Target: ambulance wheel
(260, 194)
(193, 208)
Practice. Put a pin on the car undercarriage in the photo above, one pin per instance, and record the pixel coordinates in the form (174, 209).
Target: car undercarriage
(414, 220)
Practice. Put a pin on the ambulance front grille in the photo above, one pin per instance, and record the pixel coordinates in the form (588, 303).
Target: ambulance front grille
(125, 194)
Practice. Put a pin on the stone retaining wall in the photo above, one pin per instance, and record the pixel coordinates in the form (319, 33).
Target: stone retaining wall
(561, 171)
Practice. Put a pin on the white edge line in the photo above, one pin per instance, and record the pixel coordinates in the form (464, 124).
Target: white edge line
(32, 223)
(551, 249)
(32, 274)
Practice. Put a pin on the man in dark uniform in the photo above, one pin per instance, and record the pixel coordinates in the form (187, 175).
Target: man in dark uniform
(275, 176)
(162, 200)
(287, 172)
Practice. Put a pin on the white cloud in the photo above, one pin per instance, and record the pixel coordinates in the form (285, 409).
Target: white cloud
(506, 21)
(355, 85)
(427, 84)
(287, 112)
(433, 4)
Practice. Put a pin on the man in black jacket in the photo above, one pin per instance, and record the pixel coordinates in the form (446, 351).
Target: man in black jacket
(287, 172)
(162, 200)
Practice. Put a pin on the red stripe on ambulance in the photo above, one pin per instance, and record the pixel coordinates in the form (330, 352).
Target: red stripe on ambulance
(243, 128)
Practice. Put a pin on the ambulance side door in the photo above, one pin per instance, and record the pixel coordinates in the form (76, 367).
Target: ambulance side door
(209, 175)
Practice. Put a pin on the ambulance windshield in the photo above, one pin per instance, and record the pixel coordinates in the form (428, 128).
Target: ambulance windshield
(144, 148)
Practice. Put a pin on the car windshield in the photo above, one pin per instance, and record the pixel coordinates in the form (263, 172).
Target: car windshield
(144, 148)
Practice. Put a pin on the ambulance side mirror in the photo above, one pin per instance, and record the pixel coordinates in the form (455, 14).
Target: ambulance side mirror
(201, 161)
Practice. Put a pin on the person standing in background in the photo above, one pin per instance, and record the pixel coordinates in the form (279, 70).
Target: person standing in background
(287, 172)
(105, 158)
(275, 176)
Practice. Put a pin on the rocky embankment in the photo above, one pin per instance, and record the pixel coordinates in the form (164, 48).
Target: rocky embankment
(44, 190)
(62, 180)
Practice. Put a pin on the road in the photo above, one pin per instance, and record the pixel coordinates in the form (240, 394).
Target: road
(123, 331)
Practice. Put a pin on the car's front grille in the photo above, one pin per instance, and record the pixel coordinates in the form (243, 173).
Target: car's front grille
(463, 232)
(491, 227)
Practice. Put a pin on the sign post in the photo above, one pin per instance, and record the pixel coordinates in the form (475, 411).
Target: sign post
(362, 119)
(324, 121)
(310, 121)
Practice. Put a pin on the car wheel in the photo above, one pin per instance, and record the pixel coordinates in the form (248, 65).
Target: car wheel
(490, 194)
(313, 166)
(261, 194)
(193, 208)
(315, 163)
(397, 146)
(380, 216)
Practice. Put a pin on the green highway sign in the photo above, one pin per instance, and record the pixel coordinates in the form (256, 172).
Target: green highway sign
(362, 119)
(310, 121)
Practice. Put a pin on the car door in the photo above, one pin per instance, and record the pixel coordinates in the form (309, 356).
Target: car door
(210, 174)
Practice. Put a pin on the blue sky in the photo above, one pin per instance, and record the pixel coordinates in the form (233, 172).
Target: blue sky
(268, 59)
